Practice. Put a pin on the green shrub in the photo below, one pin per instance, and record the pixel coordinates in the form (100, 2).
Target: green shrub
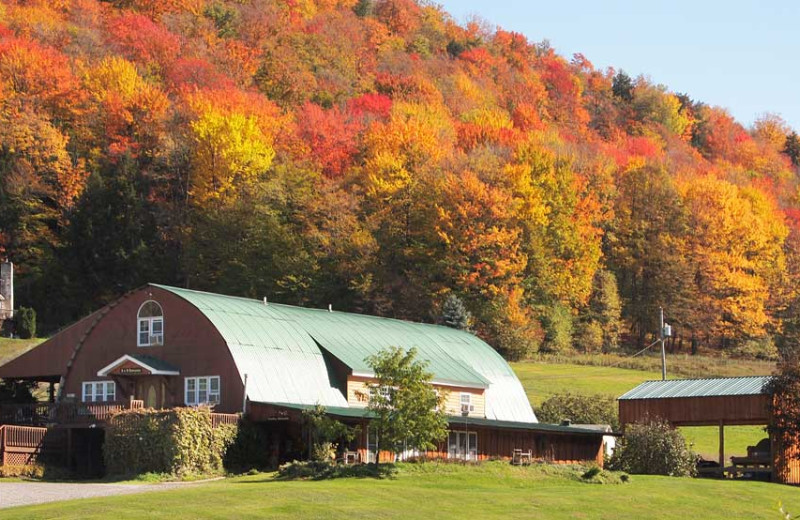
(558, 326)
(653, 447)
(251, 449)
(317, 470)
(581, 409)
(26, 323)
(180, 441)
(28, 470)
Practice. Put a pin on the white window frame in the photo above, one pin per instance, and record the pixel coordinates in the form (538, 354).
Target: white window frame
(466, 400)
(107, 391)
(147, 324)
(384, 390)
(207, 382)
(458, 449)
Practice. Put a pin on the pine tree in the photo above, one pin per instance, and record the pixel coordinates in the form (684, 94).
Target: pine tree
(792, 148)
(455, 313)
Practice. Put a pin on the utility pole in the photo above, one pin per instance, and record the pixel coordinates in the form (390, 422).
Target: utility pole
(663, 350)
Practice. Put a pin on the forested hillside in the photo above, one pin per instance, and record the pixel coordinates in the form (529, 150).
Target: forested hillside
(377, 155)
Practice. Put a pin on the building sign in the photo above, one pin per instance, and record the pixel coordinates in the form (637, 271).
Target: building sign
(129, 371)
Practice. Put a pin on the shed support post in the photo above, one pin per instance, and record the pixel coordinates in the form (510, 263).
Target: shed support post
(51, 391)
(721, 448)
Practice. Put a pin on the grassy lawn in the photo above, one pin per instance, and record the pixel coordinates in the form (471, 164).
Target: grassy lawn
(543, 379)
(11, 348)
(493, 490)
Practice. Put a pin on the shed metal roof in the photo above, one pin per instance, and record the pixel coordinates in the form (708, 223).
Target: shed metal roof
(279, 348)
(714, 387)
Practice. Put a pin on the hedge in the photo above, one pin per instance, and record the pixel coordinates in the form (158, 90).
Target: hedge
(179, 441)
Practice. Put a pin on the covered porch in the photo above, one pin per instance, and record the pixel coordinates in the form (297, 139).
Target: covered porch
(717, 402)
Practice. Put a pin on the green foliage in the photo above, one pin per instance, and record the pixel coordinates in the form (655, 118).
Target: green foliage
(324, 432)
(558, 326)
(180, 441)
(225, 18)
(12, 391)
(792, 148)
(455, 313)
(622, 86)
(251, 449)
(26, 322)
(579, 409)
(326, 470)
(653, 447)
(404, 403)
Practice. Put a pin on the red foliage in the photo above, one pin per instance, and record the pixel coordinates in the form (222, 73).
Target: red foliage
(142, 40)
(370, 104)
(39, 74)
(196, 73)
(401, 16)
(564, 90)
(331, 136)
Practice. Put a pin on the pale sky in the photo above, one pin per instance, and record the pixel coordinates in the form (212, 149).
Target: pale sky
(740, 55)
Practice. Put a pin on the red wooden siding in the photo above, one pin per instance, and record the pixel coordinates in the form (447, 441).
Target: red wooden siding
(698, 411)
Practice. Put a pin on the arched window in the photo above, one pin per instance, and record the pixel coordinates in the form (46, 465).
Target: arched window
(150, 325)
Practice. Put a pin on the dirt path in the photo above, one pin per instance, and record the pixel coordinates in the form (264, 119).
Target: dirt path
(14, 494)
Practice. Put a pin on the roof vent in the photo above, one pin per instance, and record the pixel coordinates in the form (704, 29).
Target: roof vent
(265, 301)
(566, 422)
(330, 307)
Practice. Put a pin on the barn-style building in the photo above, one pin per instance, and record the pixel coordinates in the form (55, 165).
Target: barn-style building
(721, 402)
(164, 347)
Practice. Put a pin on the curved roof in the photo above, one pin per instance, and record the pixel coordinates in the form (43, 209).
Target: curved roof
(280, 348)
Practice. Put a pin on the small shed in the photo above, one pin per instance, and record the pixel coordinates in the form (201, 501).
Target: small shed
(718, 402)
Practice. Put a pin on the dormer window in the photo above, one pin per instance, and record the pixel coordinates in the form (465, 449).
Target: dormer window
(150, 325)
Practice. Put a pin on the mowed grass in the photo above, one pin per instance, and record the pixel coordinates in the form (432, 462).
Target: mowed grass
(12, 348)
(543, 379)
(492, 490)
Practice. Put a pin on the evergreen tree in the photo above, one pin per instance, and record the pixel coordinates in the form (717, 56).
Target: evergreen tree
(792, 148)
(455, 313)
(622, 87)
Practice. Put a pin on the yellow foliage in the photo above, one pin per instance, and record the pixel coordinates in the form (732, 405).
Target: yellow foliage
(114, 74)
(230, 153)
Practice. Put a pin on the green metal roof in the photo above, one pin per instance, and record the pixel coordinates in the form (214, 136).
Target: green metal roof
(154, 362)
(752, 385)
(279, 348)
(459, 422)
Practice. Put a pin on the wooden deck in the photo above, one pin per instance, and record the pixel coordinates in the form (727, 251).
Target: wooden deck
(78, 414)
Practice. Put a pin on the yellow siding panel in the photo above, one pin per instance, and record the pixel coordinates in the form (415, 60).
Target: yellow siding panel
(358, 395)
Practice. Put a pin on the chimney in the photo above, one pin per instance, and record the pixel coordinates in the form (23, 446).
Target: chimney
(6, 290)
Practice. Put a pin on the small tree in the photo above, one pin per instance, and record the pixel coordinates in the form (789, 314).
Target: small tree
(785, 404)
(26, 323)
(323, 432)
(455, 314)
(583, 409)
(408, 411)
(653, 447)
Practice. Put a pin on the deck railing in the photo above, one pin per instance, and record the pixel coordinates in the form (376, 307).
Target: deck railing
(77, 414)
(43, 414)
(224, 418)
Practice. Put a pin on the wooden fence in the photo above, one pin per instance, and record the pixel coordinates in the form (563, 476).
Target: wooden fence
(21, 445)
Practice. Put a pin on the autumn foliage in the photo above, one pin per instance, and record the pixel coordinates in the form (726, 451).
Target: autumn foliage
(376, 155)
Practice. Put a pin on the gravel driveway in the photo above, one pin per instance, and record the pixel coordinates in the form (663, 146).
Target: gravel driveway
(27, 493)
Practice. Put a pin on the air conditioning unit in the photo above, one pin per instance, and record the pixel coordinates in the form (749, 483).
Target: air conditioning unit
(157, 339)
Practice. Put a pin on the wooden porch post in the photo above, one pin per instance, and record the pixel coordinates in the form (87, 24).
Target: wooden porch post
(52, 392)
(721, 448)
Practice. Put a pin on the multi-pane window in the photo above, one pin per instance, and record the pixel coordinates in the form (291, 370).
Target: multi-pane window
(384, 391)
(466, 403)
(150, 325)
(202, 390)
(462, 445)
(99, 391)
